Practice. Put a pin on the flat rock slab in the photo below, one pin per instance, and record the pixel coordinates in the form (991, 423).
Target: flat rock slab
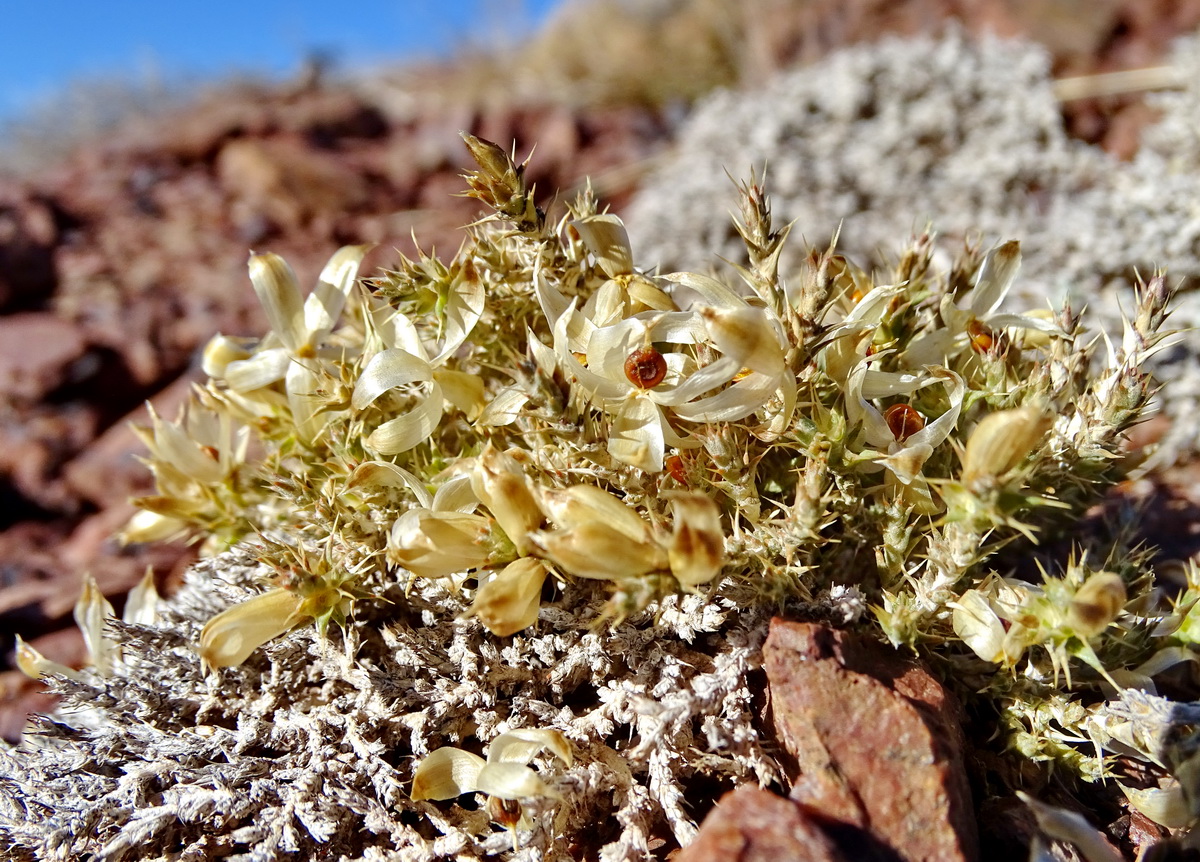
(876, 741)
(754, 825)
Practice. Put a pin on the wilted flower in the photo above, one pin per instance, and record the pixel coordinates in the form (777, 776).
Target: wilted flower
(505, 775)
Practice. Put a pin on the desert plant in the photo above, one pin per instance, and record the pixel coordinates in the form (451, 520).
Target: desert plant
(535, 500)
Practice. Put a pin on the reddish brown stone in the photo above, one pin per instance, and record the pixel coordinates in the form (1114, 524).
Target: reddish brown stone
(876, 739)
(36, 352)
(754, 825)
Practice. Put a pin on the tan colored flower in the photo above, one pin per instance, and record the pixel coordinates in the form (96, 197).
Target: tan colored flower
(231, 636)
(508, 601)
(1002, 440)
(438, 544)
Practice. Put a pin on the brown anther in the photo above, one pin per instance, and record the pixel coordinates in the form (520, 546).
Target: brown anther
(211, 452)
(645, 368)
(903, 421)
(984, 340)
(676, 467)
(506, 812)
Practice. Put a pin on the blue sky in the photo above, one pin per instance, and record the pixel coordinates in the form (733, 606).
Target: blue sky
(45, 45)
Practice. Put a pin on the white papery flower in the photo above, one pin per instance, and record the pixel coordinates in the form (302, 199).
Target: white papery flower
(404, 360)
(642, 387)
(902, 456)
(294, 349)
(977, 321)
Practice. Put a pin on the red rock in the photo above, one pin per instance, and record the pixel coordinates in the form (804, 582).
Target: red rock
(876, 739)
(754, 825)
(36, 352)
(27, 236)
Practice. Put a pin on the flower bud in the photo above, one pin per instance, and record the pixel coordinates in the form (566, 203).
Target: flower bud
(35, 665)
(438, 544)
(92, 613)
(601, 537)
(1096, 603)
(697, 549)
(501, 486)
(1002, 440)
(508, 602)
(231, 636)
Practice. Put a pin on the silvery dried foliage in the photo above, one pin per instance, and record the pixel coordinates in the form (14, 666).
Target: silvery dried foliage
(493, 541)
(307, 749)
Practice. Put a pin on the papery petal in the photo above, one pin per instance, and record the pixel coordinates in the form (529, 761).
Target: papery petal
(303, 383)
(446, 773)
(881, 384)
(933, 348)
(455, 495)
(747, 335)
(711, 291)
(523, 743)
(385, 474)
(465, 391)
(860, 411)
(649, 294)
(387, 370)
(996, 275)
(636, 436)
(504, 408)
(512, 781)
(595, 385)
(608, 241)
(409, 429)
(737, 402)
(275, 283)
(223, 349)
(464, 306)
(262, 369)
(936, 432)
(92, 612)
(231, 636)
(324, 305)
(1024, 321)
(610, 346)
(709, 377)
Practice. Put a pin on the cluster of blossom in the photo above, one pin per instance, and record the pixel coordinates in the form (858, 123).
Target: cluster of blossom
(539, 409)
